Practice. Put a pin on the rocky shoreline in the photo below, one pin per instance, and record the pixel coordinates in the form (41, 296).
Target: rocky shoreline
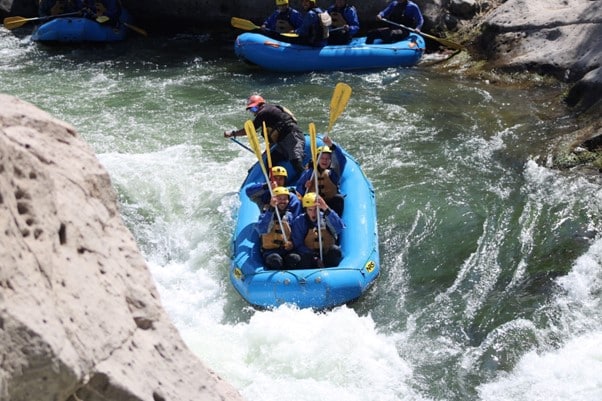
(80, 316)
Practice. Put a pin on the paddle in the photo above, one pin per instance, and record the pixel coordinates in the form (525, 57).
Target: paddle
(103, 18)
(241, 144)
(247, 25)
(444, 42)
(252, 135)
(338, 102)
(314, 159)
(340, 97)
(136, 29)
(268, 152)
(267, 147)
(15, 22)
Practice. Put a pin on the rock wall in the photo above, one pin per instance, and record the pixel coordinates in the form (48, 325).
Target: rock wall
(562, 38)
(80, 317)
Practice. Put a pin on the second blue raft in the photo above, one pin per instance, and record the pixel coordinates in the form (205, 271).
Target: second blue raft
(79, 29)
(275, 55)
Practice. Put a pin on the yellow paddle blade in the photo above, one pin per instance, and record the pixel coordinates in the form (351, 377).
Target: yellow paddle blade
(340, 97)
(102, 19)
(252, 135)
(15, 22)
(312, 143)
(247, 25)
(314, 158)
(268, 152)
(243, 24)
(254, 142)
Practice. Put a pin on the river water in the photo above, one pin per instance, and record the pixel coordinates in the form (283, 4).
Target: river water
(491, 263)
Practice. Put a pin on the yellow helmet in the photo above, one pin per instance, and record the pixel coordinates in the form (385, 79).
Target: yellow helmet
(280, 191)
(282, 2)
(309, 199)
(324, 149)
(279, 171)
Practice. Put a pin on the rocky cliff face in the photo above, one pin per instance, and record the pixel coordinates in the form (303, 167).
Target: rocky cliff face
(80, 317)
(562, 38)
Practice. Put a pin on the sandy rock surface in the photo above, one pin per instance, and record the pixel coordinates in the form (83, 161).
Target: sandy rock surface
(80, 317)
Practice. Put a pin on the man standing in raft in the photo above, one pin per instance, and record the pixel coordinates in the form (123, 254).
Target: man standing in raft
(282, 130)
(402, 12)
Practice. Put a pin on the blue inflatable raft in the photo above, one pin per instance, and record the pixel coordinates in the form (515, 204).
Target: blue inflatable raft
(317, 288)
(79, 29)
(274, 55)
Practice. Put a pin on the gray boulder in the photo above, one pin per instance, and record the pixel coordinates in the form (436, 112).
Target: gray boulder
(555, 37)
(80, 317)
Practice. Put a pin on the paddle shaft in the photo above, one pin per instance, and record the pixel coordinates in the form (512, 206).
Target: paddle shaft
(103, 18)
(444, 42)
(136, 29)
(247, 25)
(314, 156)
(268, 152)
(15, 22)
(241, 144)
(252, 134)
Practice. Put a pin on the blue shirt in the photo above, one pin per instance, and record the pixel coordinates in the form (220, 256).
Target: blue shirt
(311, 28)
(266, 219)
(302, 224)
(350, 15)
(291, 15)
(412, 12)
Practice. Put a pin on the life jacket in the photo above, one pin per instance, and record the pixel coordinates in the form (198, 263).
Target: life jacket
(283, 22)
(338, 17)
(326, 187)
(312, 241)
(274, 238)
(283, 128)
(325, 23)
(398, 14)
(59, 6)
(320, 29)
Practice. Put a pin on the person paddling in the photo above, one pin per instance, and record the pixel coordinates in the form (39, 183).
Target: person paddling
(345, 22)
(328, 176)
(260, 193)
(282, 129)
(311, 245)
(283, 19)
(402, 12)
(276, 244)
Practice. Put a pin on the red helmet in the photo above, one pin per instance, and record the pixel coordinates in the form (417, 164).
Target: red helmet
(254, 100)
